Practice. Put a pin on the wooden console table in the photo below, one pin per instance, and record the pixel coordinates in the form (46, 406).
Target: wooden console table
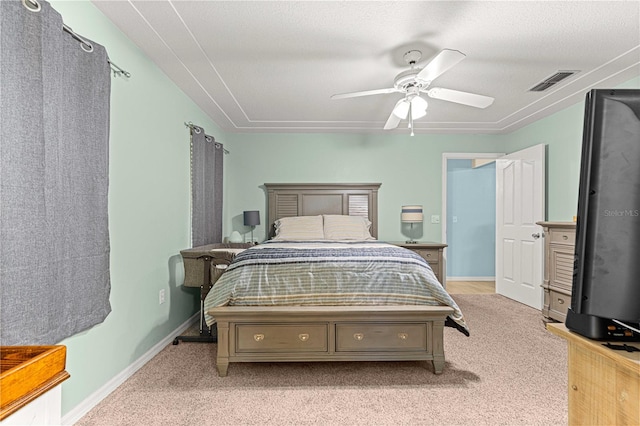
(604, 384)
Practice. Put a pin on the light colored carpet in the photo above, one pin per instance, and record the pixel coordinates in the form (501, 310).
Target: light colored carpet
(511, 371)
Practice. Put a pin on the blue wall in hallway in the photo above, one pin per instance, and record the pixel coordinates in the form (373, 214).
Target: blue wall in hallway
(471, 212)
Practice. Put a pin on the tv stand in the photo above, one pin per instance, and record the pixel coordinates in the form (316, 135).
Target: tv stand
(603, 384)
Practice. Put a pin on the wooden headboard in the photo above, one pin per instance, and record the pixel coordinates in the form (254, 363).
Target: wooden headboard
(309, 199)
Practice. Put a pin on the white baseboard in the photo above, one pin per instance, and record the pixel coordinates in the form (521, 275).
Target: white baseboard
(471, 278)
(94, 399)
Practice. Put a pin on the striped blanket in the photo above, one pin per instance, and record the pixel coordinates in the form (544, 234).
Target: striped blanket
(330, 273)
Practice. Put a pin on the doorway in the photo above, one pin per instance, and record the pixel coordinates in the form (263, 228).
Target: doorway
(468, 212)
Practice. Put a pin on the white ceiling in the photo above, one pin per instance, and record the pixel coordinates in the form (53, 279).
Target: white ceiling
(271, 66)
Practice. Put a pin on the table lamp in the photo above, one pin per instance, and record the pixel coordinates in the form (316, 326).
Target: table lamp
(411, 215)
(251, 218)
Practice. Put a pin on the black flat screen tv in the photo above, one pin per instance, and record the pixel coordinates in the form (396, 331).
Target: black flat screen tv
(606, 279)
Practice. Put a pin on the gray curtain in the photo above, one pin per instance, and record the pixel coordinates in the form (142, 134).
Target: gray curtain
(206, 188)
(54, 130)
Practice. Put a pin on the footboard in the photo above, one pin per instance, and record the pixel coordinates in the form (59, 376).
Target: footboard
(330, 333)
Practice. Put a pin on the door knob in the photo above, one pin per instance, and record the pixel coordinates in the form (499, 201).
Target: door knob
(536, 235)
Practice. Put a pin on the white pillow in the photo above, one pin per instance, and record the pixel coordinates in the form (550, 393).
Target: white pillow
(299, 228)
(341, 227)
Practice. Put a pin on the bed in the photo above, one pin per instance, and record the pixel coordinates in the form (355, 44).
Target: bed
(268, 318)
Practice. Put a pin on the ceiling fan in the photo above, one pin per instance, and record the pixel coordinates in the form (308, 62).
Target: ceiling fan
(415, 81)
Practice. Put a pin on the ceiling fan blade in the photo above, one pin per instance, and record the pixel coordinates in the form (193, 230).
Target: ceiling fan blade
(365, 93)
(392, 122)
(465, 98)
(445, 60)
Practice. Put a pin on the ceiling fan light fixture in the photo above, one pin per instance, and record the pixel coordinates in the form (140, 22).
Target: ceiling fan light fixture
(417, 113)
(418, 107)
(401, 110)
(419, 103)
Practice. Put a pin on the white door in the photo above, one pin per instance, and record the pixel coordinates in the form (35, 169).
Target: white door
(520, 183)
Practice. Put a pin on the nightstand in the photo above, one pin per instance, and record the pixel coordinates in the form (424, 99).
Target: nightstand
(203, 266)
(432, 253)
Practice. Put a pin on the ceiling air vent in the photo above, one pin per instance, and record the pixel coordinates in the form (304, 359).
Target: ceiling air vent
(552, 81)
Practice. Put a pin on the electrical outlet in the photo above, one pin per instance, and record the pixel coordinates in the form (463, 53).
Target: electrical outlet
(435, 218)
(161, 297)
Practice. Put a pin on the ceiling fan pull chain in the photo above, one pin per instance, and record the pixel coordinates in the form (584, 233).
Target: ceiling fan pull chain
(411, 117)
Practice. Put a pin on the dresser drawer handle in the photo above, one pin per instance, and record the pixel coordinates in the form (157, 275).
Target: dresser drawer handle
(561, 301)
(303, 337)
(565, 237)
(258, 337)
(358, 336)
(403, 336)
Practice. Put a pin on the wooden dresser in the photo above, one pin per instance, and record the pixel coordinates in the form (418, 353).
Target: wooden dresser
(559, 246)
(603, 384)
(432, 253)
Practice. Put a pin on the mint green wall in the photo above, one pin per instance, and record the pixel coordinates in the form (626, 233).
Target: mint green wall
(148, 211)
(562, 133)
(409, 168)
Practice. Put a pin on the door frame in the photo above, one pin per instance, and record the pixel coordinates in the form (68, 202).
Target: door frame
(443, 214)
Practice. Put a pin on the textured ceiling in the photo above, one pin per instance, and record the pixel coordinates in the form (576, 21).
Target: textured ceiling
(272, 66)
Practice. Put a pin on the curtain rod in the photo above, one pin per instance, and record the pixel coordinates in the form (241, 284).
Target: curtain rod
(34, 6)
(88, 47)
(196, 129)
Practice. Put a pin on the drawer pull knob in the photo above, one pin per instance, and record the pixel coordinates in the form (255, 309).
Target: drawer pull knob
(574, 387)
(564, 237)
(358, 336)
(303, 336)
(258, 337)
(403, 336)
(561, 301)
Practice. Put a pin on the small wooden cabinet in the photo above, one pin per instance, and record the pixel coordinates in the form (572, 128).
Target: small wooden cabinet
(432, 253)
(603, 384)
(559, 248)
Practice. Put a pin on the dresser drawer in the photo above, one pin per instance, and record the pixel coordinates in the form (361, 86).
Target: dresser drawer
(562, 236)
(430, 255)
(559, 303)
(355, 337)
(282, 338)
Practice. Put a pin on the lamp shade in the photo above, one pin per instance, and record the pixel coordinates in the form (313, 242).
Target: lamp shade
(251, 218)
(401, 110)
(411, 214)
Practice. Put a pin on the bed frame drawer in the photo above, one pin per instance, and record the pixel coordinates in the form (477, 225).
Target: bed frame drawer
(371, 337)
(267, 338)
(273, 334)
